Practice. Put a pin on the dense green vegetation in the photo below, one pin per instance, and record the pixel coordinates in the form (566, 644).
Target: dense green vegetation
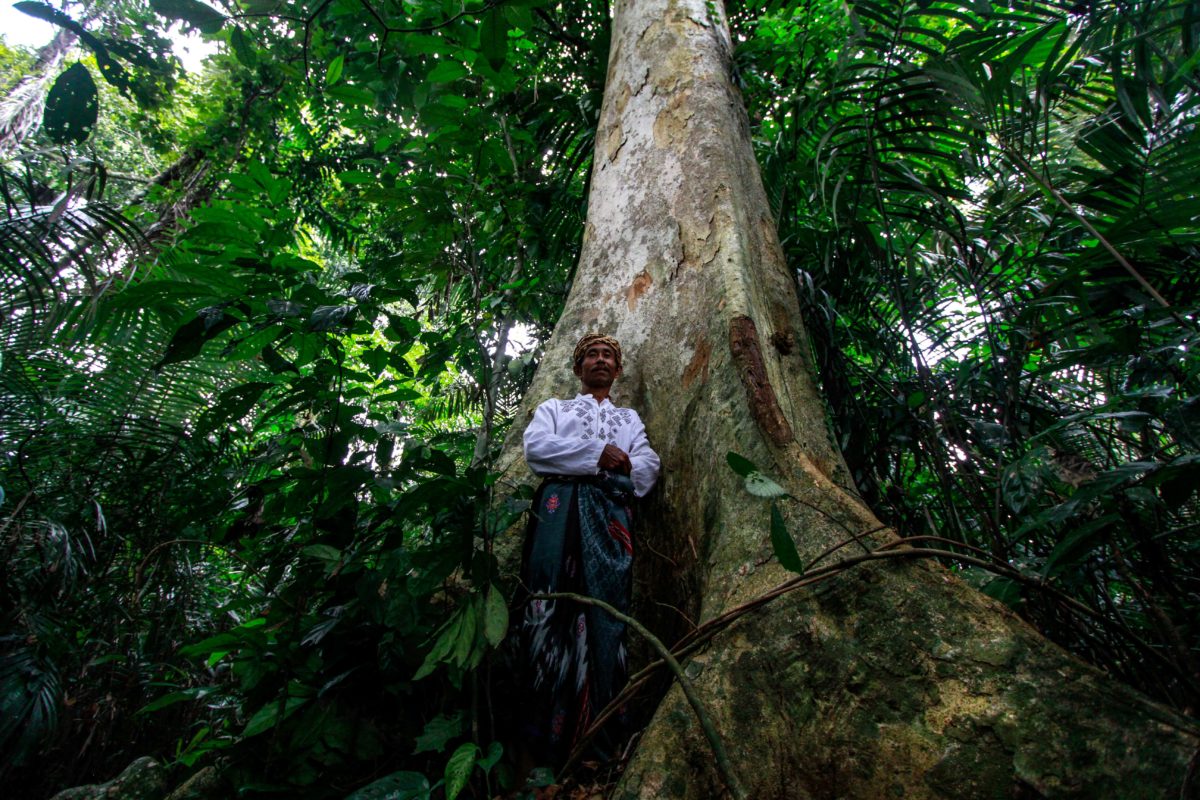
(256, 347)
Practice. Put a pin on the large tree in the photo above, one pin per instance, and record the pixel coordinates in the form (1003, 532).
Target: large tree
(892, 678)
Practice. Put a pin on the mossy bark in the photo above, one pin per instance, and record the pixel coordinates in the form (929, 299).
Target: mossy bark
(892, 680)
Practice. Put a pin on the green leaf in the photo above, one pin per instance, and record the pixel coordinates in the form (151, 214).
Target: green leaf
(326, 318)
(351, 95)
(466, 634)
(495, 617)
(442, 647)
(72, 106)
(493, 38)
(438, 733)
(192, 13)
(233, 404)
(446, 71)
(172, 698)
(1081, 541)
(356, 177)
(334, 71)
(495, 750)
(188, 340)
(277, 363)
(519, 16)
(269, 716)
(459, 768)
(397, 786)
(782, 544)
(323, 552)
(242, 50)
(1005, 590)
(742, 466)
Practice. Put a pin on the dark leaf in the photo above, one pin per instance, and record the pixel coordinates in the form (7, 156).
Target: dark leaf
(438, 733)
(782, 544)
(192, 13)
(740, 465)
(72, 106)
(493, 38)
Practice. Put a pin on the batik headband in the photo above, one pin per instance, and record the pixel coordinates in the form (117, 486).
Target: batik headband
(596, 338)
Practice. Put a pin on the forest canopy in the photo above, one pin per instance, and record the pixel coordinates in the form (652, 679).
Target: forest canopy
(265, 324)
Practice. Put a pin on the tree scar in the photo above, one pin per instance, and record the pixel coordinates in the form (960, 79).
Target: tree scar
(764, 405)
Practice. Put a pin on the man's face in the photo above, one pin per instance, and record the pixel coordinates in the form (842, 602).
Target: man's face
(598, 369)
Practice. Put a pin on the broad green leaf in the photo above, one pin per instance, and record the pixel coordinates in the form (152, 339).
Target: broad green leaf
(493, 38)
(459, 768)
(495, 619)
(438, 733)
(277, 363)
(442, 647)
(397, 786)
(326, 318)
(351, 95)
(189, 339)
(742, 466)
(519, 16)
(466, 634)
(193, 13)
(172, 698)
(356, 177)
(1079, 542)
(269, 716)
(72, 106)
(782, 544)
(242, 49)
(232, 405)
(334, 71)
(1005, 590)
(446, 71)
(495, 750)
(323, 552)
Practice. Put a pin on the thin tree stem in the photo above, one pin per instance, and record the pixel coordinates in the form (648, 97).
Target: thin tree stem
(724, 766)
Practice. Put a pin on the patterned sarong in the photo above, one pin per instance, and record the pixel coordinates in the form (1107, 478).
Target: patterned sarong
(573, 655)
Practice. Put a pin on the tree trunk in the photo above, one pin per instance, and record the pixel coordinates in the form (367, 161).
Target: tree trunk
(890, 680)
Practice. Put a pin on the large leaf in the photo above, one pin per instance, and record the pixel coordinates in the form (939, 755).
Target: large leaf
(782, 544)
(72, 106)
(438, 733)
(495, 620)
(192, 13)
(459, 768)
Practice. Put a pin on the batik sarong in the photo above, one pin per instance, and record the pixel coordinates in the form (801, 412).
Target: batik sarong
(573, 659)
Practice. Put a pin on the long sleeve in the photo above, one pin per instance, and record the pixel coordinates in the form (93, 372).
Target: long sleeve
(645, 461)
(547, 453)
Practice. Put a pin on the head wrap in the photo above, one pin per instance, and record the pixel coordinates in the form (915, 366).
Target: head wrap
(590, 339)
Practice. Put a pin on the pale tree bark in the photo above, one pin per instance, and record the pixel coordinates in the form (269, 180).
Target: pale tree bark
(891, 680)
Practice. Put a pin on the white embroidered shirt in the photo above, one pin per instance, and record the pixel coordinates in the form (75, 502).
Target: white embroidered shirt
(566, 437)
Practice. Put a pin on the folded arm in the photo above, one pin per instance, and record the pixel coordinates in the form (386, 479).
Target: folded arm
(550, 454)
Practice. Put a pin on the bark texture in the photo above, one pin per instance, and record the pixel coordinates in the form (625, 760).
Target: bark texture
(893, 680)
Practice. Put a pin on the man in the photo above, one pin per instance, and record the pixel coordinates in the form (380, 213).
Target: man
(593, 458)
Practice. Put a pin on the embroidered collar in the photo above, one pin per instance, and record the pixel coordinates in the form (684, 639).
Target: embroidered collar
(593, 399)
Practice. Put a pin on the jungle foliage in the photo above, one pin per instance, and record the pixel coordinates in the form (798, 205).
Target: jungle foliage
(257, 348)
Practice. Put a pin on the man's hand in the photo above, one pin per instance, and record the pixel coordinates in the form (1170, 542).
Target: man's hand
(615, 459)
